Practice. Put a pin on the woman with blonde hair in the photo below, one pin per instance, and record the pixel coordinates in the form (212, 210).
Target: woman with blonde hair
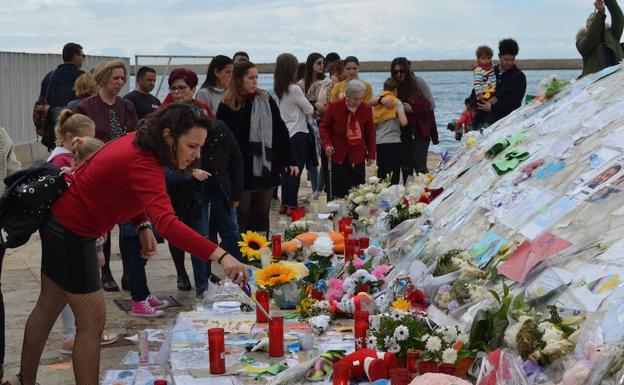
(84, 86)
(114, 116)
(254, 119)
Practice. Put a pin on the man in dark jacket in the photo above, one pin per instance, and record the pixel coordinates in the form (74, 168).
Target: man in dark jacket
(510, 84)
(57, 86)
(598, 43)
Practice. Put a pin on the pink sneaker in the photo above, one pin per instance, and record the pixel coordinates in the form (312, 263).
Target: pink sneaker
(157, 303)
(145, 310)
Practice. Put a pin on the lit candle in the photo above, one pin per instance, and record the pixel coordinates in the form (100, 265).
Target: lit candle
(216, 346)
(276, 336)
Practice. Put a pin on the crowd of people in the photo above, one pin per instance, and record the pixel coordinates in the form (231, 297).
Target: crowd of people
(202, 166)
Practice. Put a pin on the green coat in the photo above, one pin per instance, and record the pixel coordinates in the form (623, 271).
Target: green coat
(593, 41)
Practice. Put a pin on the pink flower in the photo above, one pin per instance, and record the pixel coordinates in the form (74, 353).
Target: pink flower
(335, 291)
(358, 263)
(380, 271)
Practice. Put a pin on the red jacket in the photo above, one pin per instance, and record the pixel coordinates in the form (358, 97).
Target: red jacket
(120, 184)
(465, 120)
(333, 130)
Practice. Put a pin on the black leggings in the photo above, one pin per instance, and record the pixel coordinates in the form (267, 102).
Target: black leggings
(2, 339)
(253, 211)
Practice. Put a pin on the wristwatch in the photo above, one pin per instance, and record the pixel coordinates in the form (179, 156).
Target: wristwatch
(144, 225)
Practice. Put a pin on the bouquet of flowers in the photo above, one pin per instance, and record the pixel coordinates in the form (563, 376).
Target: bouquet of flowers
(552, 85)
(398, 333)
(296, 228)
(461, 292)
(364, 197)
(544, 341)
(451, 261)
(404, 211)
(281, 280)
(445, 345)
(361, 281)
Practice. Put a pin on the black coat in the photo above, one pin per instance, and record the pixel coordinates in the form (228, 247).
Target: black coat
(282, 153)
(510, 90)
(222, 158)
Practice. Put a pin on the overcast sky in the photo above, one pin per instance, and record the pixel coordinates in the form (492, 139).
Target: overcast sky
(371, 30)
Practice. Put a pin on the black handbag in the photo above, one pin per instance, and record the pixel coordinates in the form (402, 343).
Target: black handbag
(36, 195)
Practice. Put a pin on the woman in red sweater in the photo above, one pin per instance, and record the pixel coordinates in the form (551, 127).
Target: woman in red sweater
(123, 182)
(348, 137)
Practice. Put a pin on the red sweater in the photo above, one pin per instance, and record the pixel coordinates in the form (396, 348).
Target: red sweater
(120, 184)
(333, 130)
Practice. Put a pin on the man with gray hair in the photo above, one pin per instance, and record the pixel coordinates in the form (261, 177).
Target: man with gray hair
(348, 138)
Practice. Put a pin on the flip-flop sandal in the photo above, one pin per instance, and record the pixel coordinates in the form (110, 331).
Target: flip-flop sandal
(109, 338)
(497, 148)
(509, 162)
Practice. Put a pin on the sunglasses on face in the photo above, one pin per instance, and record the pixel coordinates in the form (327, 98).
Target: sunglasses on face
(397, 72)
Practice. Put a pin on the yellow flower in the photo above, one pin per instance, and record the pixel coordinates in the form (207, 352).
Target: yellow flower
(251, 244)
(301, 271)
(274, 274)
(401, 304)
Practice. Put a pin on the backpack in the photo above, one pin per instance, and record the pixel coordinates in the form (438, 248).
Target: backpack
(45, 117)
(27, 200)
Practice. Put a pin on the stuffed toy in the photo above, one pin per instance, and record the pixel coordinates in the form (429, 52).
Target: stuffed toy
(578, 373)
(371, 364)
(360, 301)
(306, 240)
(335, 291)
(323, 365)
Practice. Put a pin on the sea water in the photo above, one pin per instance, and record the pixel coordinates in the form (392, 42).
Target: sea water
(449, 89)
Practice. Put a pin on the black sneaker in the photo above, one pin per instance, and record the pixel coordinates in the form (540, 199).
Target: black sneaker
(109, 284)
(184, 283)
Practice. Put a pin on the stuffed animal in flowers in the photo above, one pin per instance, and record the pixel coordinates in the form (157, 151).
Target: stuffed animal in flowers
(578, 373)
(370, 363)
(360, 301)
(306, 240)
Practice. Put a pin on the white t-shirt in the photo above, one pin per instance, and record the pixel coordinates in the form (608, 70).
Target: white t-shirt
(293, 108)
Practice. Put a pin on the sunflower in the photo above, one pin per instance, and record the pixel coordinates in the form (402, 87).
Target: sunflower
(251, 244)
(274, 274)
(401, 304)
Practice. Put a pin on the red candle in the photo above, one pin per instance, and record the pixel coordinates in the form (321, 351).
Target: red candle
(412, 362)
(276, 336)
(160, 382)
(262, 297)
(276, 245)
(342, 373)
(216, 346)
(360, 328)
(355, 246)
(400, 376)
(297, 213)
(364, 243)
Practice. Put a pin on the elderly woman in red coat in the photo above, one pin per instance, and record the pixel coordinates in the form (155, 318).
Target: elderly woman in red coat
(348, 138)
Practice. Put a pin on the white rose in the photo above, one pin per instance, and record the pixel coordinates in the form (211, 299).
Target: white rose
(370, 197)
(373, 180)
(449, 356)
(358, 199)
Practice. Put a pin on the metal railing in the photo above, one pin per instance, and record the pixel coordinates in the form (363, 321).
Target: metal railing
(163, 70)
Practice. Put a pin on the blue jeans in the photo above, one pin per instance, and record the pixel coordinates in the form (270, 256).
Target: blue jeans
(225, 219)
(313, 171)
(200, 267)
(290, 184)
(138, 281)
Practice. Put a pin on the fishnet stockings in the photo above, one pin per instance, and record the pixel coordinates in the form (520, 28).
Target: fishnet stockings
(90, 312)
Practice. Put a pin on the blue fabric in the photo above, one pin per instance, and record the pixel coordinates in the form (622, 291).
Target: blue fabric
(226, 220)
(200, 267)
(290, 184)
(137, 280)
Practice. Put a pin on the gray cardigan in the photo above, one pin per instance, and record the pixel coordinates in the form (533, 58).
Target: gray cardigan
(210, 96)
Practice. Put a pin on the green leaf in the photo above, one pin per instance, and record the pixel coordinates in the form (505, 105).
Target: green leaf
(495, 295)
(369, 264)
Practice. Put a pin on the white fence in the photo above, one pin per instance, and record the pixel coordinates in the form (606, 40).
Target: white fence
(20, 83)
